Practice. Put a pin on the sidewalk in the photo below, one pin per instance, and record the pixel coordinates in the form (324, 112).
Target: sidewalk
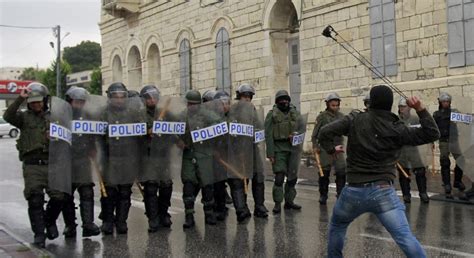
(11, 246)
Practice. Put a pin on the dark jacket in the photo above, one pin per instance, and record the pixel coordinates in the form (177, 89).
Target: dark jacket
(375, 139)
(443, 120)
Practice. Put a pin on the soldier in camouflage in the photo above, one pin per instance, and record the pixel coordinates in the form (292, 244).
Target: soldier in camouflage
(331, 114)
(280, 124)
(33, 148)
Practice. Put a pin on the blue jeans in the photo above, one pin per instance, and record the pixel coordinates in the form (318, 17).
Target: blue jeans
(380, 200)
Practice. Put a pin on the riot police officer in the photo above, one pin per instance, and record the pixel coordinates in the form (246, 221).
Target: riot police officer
(331, 114)
(442, 118)
(197, 164)
(83, 148)
(156, 206)
(281, 123)
(246, 92)
(122, 159)
(33, 147)
(410, 158)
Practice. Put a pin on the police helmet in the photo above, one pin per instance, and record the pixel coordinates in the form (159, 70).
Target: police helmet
(150, 91)
(76, 93)
(444, 97)
(332, 96)
(38, 92)
(222, 95)
(245, 89)
(208, 95)
(116, 87)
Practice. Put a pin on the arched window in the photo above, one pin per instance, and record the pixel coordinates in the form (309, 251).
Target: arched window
(184, 66)
(117, 75)
(223, 60)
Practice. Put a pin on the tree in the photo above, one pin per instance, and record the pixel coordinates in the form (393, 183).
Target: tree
(84, 56)
(96, 82)
(49, 77)
(31, 74)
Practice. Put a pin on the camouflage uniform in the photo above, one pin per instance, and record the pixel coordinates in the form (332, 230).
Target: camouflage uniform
(33, 148)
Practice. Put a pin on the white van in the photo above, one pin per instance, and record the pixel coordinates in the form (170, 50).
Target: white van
(8, 129)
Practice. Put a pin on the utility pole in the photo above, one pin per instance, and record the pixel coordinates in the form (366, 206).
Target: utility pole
(58, 62)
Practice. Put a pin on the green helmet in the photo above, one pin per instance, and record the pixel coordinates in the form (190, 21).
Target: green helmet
(38, 92)
(193, 97)
(77, 93)
(332, 96)
(444, 97)
(282, 94)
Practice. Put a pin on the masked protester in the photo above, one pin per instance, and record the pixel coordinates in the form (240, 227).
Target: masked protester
(281, 124)
(331, 114)
(33, 148)
(375, 139)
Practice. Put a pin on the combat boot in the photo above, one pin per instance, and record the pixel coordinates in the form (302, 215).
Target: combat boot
(459, 185)
(290, 195)
(238, 197)
(53, 209)
(323, 188)
(189, 221)
(420, 175)
(277, 208)
(164, 202)
(107, 212)
(69, 216)
(407, 199)
(447, 190)
(87, 216)
(258, 191)
(36, 216)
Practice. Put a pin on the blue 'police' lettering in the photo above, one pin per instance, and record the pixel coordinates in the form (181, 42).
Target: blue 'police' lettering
(209, 132)
(88, 127)
(163, 127)
(126, 130)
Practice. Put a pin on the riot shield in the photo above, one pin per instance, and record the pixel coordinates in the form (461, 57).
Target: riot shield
(461, 134)
(124, 141)
(259, 145)
(162, 160)
(88, 133)
(207, 124)
(297, 142)
(59, 169)
(414, 156)
(242, 118)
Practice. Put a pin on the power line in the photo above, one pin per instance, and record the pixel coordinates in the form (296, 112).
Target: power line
(25, 27)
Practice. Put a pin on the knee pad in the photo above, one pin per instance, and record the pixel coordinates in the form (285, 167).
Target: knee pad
(36, 200)
(125, 191)
(150, 189)
(166, 184)
(291, 183)
(419, 171)
(279, 178)
(86, 193)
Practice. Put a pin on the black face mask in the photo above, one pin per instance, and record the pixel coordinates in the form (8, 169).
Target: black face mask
(283, 107)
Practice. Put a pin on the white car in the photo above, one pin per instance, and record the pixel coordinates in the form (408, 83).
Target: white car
(8, 129)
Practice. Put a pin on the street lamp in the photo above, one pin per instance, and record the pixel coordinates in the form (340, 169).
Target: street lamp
(57, 32)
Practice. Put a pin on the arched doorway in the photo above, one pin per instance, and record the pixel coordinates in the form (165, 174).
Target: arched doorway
(117, 73)
(284, 40)
(154, 65)
(134, 67)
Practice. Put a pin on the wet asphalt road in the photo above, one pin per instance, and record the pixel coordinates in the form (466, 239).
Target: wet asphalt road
(445, 229)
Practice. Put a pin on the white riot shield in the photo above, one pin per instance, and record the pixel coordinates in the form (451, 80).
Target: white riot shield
(59, 169)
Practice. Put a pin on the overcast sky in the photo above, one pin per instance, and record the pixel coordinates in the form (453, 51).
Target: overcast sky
(30, 47)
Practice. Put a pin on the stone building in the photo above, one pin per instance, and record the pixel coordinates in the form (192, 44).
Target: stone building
(422, 46)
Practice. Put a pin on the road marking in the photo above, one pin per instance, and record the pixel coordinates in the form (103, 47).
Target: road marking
(428, 247)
